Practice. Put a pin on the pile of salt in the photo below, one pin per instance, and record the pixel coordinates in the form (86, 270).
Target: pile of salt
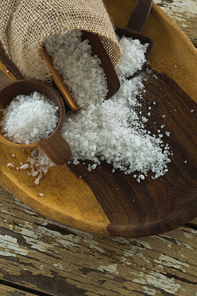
(105, 130)
(29, 118)
(109, 130)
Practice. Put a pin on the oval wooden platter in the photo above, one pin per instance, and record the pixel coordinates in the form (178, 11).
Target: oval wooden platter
(114, 203)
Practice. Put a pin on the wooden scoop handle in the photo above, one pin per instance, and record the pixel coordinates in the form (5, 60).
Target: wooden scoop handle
(139, 15)
(55, 148)
(4, 80)
(59, 81)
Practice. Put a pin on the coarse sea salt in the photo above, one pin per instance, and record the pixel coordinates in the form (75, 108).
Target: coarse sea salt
(104, 130)
(108, 130)
(112, 131)
(39, 165)
(80, 70)
(132, 57)
(29, 118)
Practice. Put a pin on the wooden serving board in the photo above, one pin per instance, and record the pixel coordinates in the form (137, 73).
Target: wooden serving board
(114, 203)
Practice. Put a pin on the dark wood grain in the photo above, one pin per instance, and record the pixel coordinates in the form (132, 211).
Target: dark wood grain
(154, 206)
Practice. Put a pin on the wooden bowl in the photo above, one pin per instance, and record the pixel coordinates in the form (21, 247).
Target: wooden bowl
(114, 203)
(54, 146)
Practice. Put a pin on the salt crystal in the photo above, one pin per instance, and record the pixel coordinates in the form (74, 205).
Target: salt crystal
(37, 181)
(167, 134)
(24, 166)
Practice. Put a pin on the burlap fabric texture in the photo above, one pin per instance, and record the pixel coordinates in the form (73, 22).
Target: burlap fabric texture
(24, 24)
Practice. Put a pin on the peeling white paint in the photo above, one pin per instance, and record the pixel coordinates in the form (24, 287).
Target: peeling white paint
(177, 7)
(130, 253)
(157, 280)
(8, 244)
(124, 261)
(65, 243)
(58, 266)
(136, 248)
(110, 268)
(140, 277)
(72, 240)
(171, 262)
(6, 253)
(145, 244)
(133, 242)
(178, 243)
(141, 255)
(26, 209)
(4, 211)
(94, 245)
(162, 282)
(188, 246)
(149, 291)
(87, 237)
(151, 277)
(134, 251)
(33, 239)
(11, 227)
(184, 13)
(193, 231)
(164, 238)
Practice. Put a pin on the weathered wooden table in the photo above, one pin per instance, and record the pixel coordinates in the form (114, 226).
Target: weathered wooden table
(42, 257)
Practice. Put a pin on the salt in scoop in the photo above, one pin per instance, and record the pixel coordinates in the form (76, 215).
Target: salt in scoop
(98, 49)
(136, 24)
(54, 146)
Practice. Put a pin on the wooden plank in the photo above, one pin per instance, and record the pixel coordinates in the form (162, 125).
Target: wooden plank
(184, 14)
(10, 291)
(42, 255)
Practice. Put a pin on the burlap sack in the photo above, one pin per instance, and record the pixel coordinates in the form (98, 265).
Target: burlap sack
(24, 24)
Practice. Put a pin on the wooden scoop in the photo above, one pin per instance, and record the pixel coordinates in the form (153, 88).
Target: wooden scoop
(55, 146)
(97, 49)
(136, 24)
